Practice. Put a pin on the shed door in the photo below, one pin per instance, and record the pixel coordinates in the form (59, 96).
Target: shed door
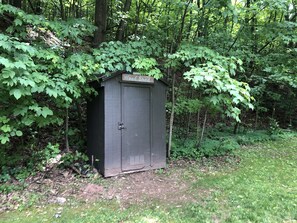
(136, 121)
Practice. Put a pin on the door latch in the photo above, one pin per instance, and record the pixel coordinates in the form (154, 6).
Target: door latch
(121, 126)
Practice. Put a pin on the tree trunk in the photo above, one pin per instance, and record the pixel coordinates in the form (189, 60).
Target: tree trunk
(100, 22)
(172, 114)
(198, 127)
(80, 119)
(137, 17)
(236, 127)
(123, 24)
(183, 19)
(62, 10)
(256, 119)
(67, 131)
(203, 129)
(16, 3)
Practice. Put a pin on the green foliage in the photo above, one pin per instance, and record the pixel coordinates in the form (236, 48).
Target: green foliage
(185, 149)
(40, 158)
(139, 55)
(274, 128)
(252, 137)
(209, 148)
(212, 74)
(73, 31)
(186, 105)
(212, 147)
(38, 82)
(216, 51)
(73, 159)
(21, 165)
(221, 140)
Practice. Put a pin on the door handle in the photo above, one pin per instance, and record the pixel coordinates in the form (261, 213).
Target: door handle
(121, 126)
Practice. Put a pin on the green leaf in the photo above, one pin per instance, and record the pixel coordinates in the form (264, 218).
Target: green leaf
(5, 128)
(46, 111)
(20, 111)
(17, 93)
(5, 62)
(8, 73)
(19, 64)
(4, 139)
(5, 45)
(18, 22)
(52, 92)
(27, 121)
(19, 133)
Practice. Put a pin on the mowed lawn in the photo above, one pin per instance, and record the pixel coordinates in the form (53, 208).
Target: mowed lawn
(262, 187)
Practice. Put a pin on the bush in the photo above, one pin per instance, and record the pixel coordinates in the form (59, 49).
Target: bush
(218, 147)
(20, 165)
(209, 148)
(185, 149)
(220, 141)
(253, 137)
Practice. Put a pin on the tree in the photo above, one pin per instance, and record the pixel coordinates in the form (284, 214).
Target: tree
(100, 22)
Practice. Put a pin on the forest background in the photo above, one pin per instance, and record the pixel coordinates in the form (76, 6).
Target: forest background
(230, 64)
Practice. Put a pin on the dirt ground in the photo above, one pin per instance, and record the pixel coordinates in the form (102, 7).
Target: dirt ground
(169, 186)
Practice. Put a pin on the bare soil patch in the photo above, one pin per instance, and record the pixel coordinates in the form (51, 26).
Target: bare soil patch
(172, 186)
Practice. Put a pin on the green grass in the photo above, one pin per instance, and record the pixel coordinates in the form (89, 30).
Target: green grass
(262, 188)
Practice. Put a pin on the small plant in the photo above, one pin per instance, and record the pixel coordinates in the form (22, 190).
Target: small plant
(274, 128)
(77, 161)
(71, 158)
(40, 158)
(160, 171)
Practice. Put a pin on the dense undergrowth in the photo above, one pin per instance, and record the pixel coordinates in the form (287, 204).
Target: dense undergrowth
(221, 141)
(18, 166)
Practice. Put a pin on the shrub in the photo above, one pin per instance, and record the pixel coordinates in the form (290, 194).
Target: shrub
(218, 147)
(209, 148)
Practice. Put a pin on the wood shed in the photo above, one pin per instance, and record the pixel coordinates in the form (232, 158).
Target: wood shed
(126, 124)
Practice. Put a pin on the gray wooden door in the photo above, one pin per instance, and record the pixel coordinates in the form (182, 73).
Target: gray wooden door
(136, 127)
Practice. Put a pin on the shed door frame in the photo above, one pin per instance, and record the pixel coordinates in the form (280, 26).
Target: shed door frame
(137, 85)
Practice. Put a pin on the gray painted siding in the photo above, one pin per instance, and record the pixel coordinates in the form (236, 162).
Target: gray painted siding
(104, 138)
(112, 134)
(158, 159)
